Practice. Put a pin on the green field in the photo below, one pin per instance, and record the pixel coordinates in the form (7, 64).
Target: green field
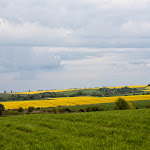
(106, 106)
(124, 129)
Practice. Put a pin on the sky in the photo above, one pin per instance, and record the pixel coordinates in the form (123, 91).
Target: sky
(59, 44)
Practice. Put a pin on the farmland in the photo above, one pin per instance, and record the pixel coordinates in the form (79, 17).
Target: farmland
(126, 129)
(58, 123)
(71, 101)
(93, 89)
(74, 97)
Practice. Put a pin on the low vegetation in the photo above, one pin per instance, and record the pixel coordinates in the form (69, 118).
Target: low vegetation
(119, 104)
(119, 129)
(100, 122)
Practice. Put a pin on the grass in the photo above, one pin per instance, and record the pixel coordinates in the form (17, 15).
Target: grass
(106, 106)
(129, 129)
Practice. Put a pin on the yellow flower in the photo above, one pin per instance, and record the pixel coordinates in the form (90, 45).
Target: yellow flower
(71, 101)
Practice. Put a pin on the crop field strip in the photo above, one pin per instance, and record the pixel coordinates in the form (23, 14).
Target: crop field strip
(71, 101)
(64, 90)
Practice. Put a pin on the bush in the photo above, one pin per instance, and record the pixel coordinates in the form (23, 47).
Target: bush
(49, 111)
(54, 110)
(81, 110)
(88, 109)
(64, 110)
(123, 104)
(30, 109)
(61, 110)
(67, 110)
(148, 106)
(20, 109)
(96, 108)
(38, 108)
(2, 108)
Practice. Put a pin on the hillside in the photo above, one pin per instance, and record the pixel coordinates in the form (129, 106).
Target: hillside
(73, 97)
(129, 129)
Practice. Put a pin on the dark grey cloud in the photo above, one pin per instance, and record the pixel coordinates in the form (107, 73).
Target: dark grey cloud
(26, 62)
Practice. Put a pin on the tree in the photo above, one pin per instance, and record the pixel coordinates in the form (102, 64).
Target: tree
(123, 104)
(20, 109)
(79, 93)
(2, 108)
(30, 109)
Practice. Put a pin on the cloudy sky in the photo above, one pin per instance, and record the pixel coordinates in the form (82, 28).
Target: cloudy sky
(59, 44)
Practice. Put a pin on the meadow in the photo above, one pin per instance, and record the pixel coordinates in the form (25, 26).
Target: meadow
(118, 130)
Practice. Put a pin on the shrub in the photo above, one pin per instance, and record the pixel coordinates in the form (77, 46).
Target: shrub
(38, 108)
(20, 109)
(1, 112)
(54, 110)
(96, 108)
(30, 109)
(67, 110)
(81, 110)
(88, 109)
(64, 110)
(61, 110)
(12, 112)
(148, 106)
(49, 111)
(2, 108)
(123, 104)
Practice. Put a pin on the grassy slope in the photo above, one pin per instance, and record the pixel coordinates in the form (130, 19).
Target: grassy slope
(107, 106)
(129, 129)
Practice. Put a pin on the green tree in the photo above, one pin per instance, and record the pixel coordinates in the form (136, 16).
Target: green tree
(20, 109)
(30, 109)
(2, 108)
(123, 104)
(79, 93)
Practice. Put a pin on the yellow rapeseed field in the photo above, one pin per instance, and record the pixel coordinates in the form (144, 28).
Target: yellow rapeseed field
(37, 92)
(132, 86)
(71, 101)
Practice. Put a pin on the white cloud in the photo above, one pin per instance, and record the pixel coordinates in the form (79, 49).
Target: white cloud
(30, 33)
(81, 23)
(37, 38)
(126, 4)
(137, 28)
